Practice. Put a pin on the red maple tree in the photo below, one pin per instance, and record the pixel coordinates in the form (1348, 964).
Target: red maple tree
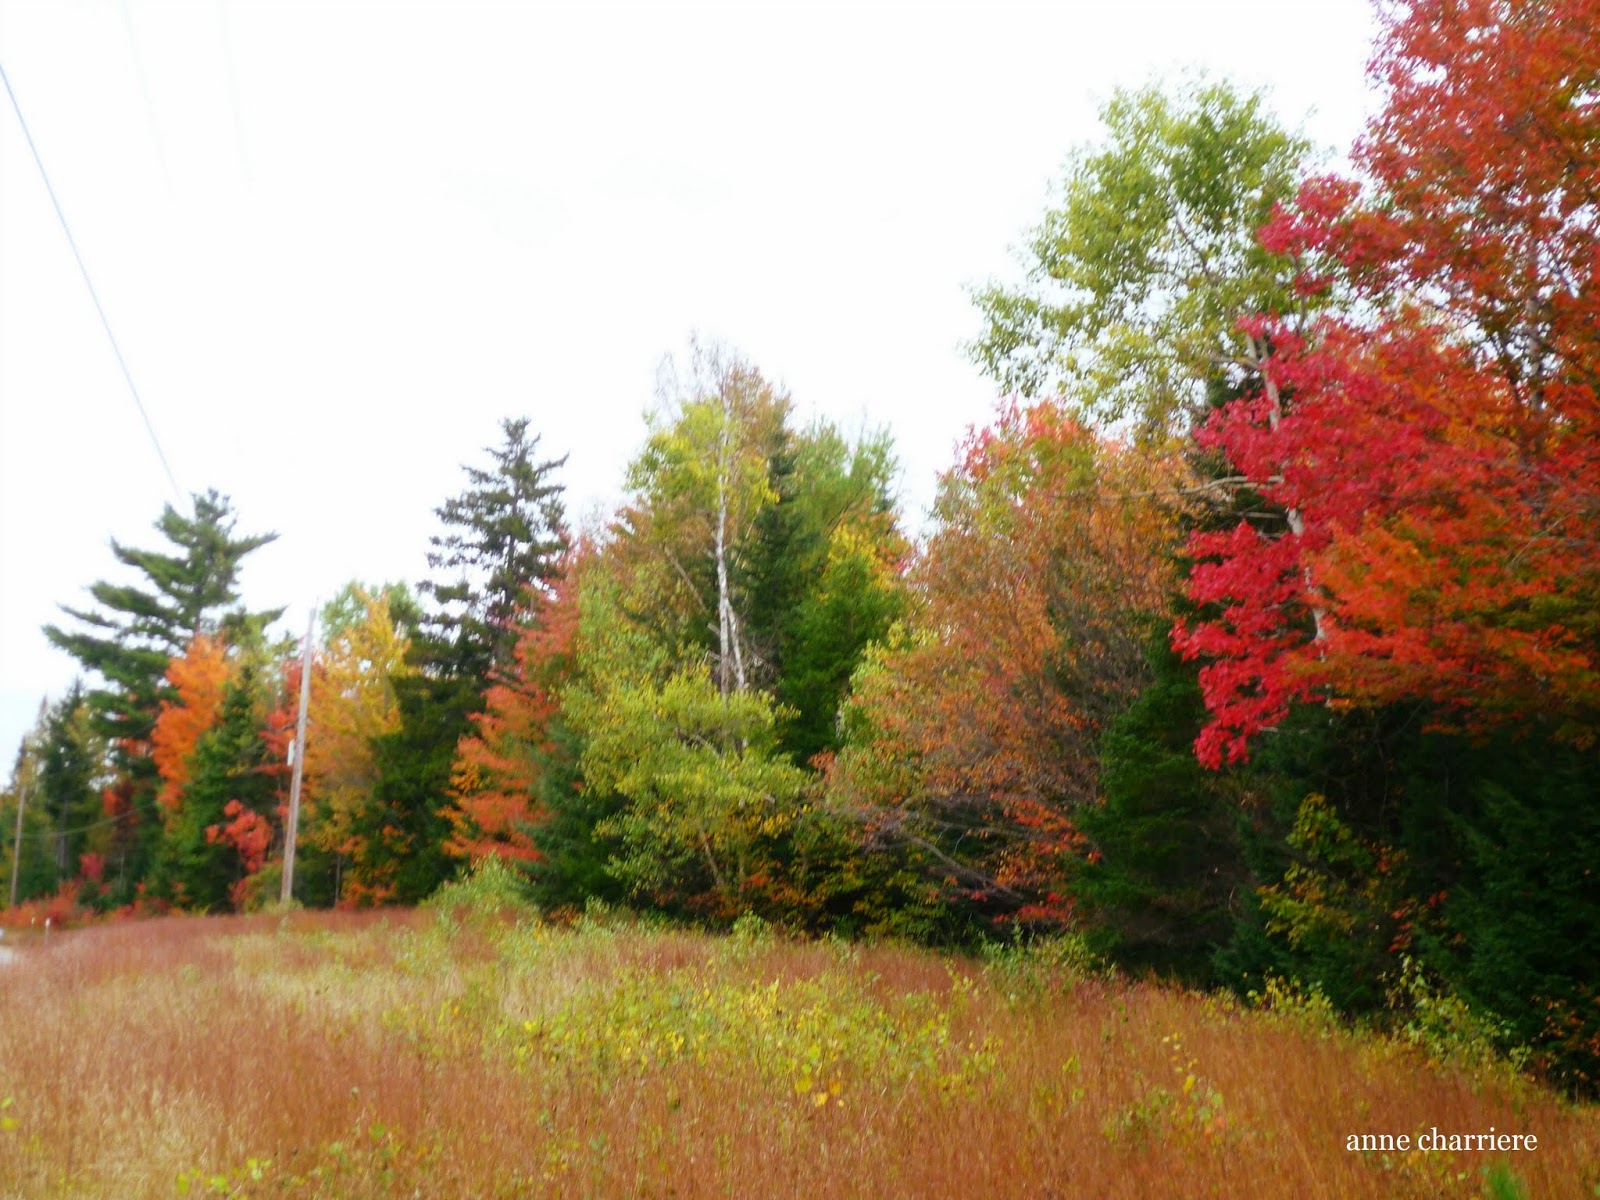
(1431, 455)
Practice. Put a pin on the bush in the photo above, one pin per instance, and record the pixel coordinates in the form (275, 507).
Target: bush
(491, 888)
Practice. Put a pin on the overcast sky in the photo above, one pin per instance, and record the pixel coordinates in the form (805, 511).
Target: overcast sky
(339, 241)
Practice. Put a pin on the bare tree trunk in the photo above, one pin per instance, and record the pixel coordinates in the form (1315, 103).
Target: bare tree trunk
(1297, 524)
(727, 621)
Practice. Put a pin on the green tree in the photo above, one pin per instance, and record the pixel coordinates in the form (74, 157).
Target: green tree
(718, 630)
(33, 874)
(502, 547)
(72, 771)
(700, 485)
(1140, 270)
(504, 536)
(137, 628)
(822, 575)
(1158, 890)
(350, 607)
(708, 798)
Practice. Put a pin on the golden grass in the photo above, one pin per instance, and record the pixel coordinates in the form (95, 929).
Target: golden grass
(400, 1055)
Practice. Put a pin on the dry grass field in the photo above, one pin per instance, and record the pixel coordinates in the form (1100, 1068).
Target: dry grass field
(420, 1054)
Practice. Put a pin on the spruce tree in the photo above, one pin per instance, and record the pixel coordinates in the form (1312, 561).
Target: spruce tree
(504, 536)
(503, 542)
(1156, 894)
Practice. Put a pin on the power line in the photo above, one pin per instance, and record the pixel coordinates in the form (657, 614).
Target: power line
(144, 90)
(233, 89)
(45, 835)
(89, 283)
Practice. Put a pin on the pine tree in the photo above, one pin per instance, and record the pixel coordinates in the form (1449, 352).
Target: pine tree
(136, 629)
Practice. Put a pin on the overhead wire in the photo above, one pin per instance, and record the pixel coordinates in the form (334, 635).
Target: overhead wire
(45, 835)
(83, 270)
(233, 89)
(144, 91)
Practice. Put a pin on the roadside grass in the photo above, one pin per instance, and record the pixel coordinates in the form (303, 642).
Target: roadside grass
(457, 1053)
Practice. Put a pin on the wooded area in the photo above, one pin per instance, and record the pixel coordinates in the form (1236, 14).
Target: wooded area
(1256, 637)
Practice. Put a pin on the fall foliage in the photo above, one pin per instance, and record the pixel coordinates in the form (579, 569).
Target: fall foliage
(495, 784)
(198, 678)
(1053, 547)
(1255, 638)
(1439, 452)
(352, 704)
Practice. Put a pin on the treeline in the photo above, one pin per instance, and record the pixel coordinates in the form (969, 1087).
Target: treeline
(1257, 636)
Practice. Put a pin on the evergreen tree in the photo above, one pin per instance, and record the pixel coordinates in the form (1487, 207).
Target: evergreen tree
(1521, 909)
(34, 873)
(222, 830)
(1158, 890)
(821, 575)
(502, 547)
(137, 628)
(504, 537)
(71, 768)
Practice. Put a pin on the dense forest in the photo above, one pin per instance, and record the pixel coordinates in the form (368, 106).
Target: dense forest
(1256, 637)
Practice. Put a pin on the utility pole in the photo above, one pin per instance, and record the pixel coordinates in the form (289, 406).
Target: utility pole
(16, 846)
(299, 763)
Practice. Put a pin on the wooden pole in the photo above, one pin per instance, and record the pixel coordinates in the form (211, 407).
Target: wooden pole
(16, 846)
(292, 832)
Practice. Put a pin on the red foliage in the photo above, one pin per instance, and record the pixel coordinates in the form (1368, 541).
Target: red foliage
(1439, 459)
(92, 867)
(59, 910)
(248, 832)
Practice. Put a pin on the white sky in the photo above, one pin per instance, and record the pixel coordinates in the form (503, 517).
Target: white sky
(339, 241)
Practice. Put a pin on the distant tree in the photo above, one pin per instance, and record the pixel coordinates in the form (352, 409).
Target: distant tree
(700, 486)
(224, 827)
(501, 778)
(351, 607)
(73, 767)
(198, 680)
(822, 576)
(35, 873)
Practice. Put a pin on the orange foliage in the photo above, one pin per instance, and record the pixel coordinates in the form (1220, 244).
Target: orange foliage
(495, 783)
(1054, 547)
(200, 677)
